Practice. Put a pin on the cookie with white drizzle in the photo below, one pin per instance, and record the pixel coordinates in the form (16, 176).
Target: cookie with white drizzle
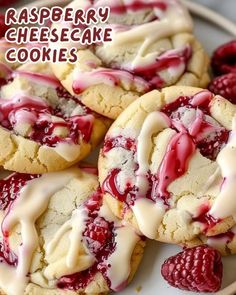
(58, 238)
(152, 47)
(162, 164)
(42, 127)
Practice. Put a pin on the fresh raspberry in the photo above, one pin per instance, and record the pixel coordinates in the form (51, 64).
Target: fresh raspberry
(225, 86)
(10, 187)
(224, 59)
(198, 269)
(3, 26)
(97, 234)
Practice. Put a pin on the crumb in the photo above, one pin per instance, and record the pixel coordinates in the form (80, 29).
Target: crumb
(138, 289)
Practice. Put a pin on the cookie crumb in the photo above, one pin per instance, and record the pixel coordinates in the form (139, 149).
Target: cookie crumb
(138, 289)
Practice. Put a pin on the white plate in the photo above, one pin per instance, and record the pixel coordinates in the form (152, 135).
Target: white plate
(148, 277)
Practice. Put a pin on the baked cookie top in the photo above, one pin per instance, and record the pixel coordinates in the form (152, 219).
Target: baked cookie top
(168, 164)
(152, 47)
(42, 127)
(57, 237)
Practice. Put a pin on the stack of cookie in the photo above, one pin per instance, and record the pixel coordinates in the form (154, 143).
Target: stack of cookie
(166, 169)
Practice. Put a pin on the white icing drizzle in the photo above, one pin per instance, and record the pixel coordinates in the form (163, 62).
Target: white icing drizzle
(149, 216)
(176, 19)
(69, 152)
(74, 261)
(109, 77)
(76, 226)
(107, 214)
(28, 207)
(225, 205)
(153, 124)
(148, 213)
(119, 261)
(126, 239)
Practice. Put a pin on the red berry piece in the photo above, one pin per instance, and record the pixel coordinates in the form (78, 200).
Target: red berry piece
(97, 233)
(198, 269)
(11, 186)
(224, 59)
(3, 26)
(225, 86)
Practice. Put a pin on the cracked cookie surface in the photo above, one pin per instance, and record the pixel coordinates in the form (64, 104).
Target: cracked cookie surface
(57, 237)
(43, 128)
(167, 165)
(152, 47)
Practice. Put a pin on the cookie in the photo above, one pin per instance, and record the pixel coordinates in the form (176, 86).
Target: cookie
(57, 237)
(168, 164)
(42, 127)
(152, 47)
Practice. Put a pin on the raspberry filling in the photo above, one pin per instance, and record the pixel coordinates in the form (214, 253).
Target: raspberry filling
(10, 188)
(205, 218)
(215, 137)
(6, 255)
(146, 78)
(42, 120)
(171, 59)
(224, 238)
(119, 142)
(197, 131)
(99, 238)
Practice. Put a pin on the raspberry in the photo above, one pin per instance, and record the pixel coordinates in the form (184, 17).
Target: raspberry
(224, 59)
(3, 26)
(10, 187)
(97, 234)
(198, 269)
(226, 86)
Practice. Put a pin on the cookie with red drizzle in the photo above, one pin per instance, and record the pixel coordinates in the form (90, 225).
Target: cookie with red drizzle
(42, 127)
(55, 226)
(152, 47)
(160, 167)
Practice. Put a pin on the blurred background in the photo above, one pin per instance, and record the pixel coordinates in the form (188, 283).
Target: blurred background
(225, 7)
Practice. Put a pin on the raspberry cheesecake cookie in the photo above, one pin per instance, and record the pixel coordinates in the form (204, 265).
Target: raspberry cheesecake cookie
(168, 164)
(152, 47)
(58, 238)
(43, 128)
